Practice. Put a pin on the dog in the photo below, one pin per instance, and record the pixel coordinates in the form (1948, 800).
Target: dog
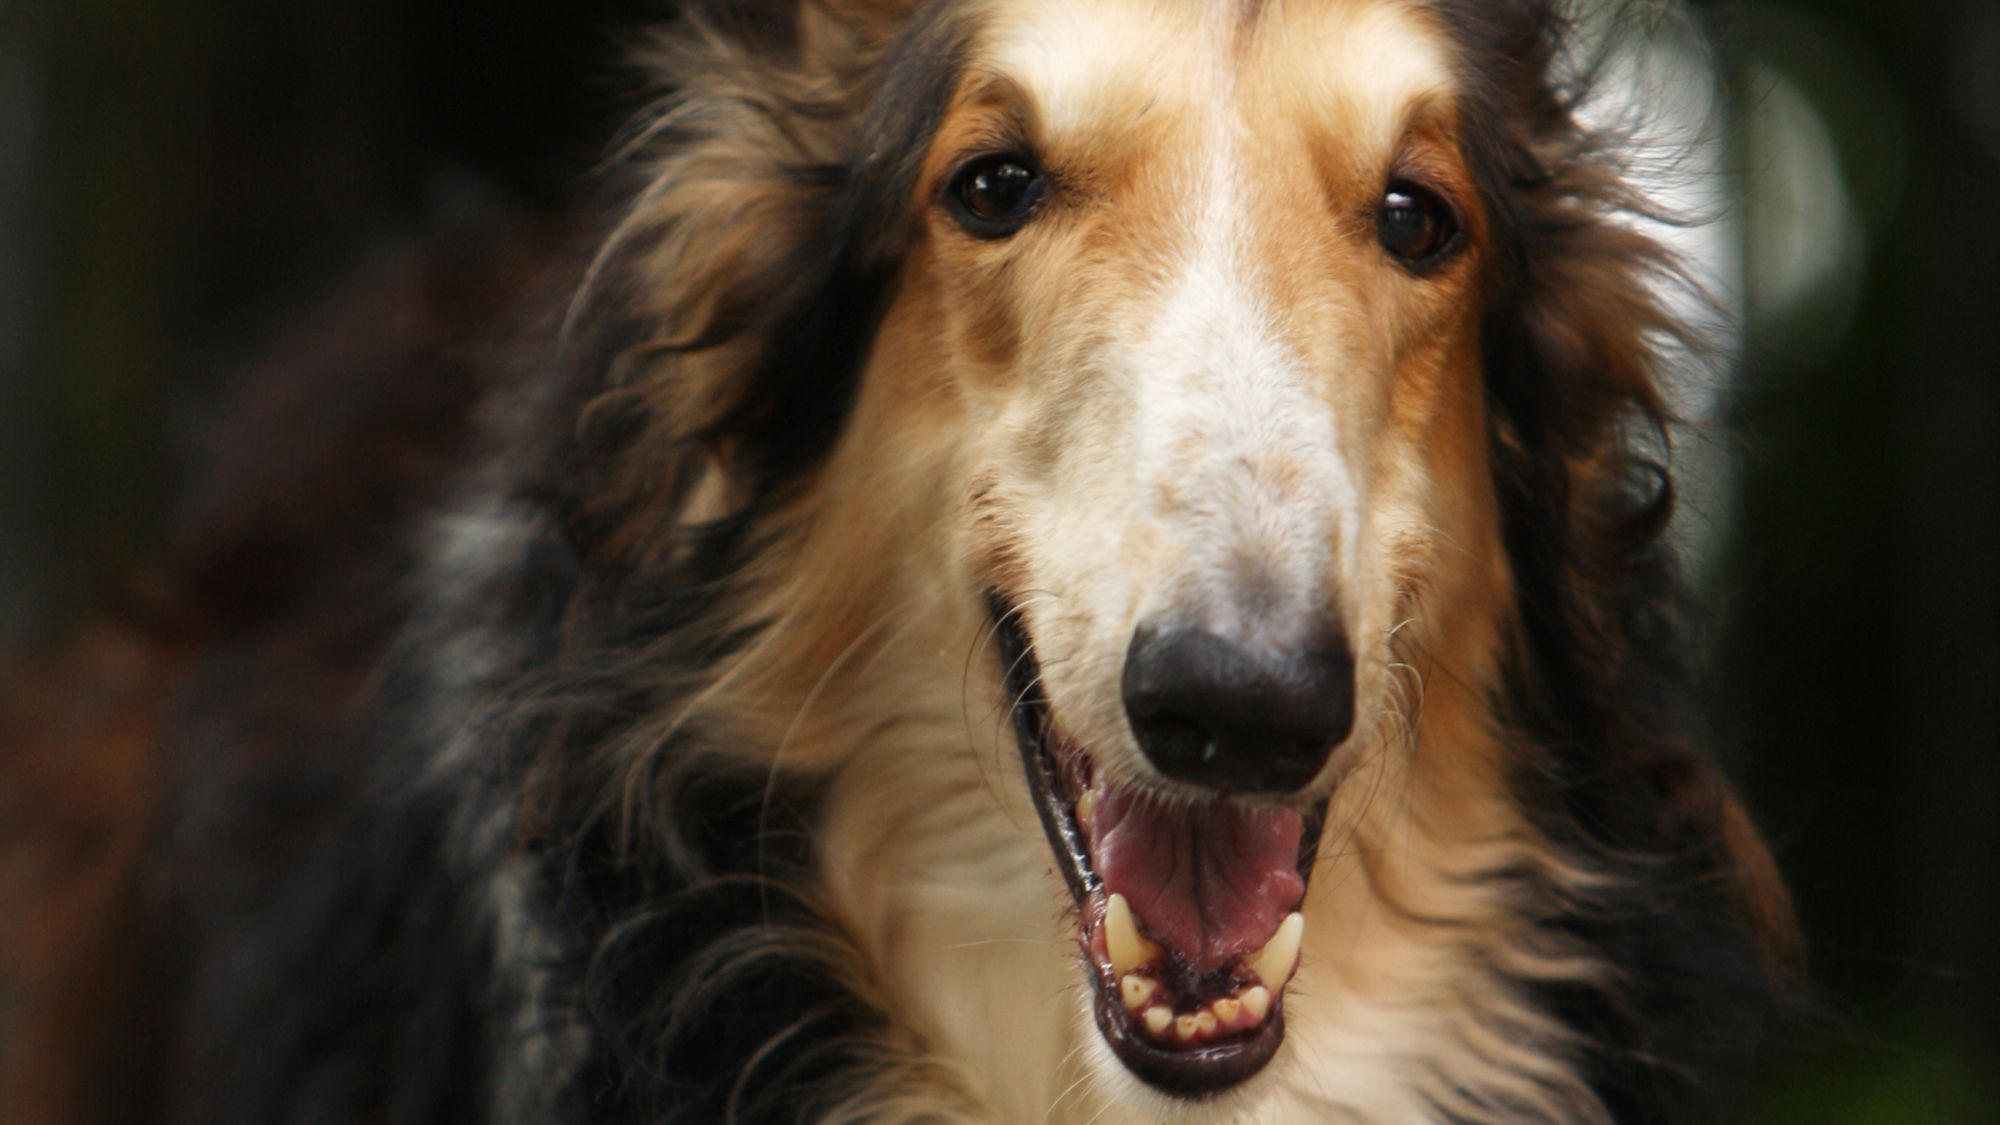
(1053, 560)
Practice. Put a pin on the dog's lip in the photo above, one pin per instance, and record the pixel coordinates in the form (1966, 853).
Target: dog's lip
(1197, 1069)
(1196, 1072)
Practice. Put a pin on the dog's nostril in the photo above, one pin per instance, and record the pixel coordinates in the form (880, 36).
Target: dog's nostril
(1211, 712)
(1175, 738)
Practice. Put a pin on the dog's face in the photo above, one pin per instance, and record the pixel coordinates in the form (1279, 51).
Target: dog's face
(1205, 280)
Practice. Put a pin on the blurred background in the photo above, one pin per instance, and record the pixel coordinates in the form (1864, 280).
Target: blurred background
(178, 177)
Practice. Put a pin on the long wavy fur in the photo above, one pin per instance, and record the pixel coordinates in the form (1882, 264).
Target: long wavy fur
(515, 864)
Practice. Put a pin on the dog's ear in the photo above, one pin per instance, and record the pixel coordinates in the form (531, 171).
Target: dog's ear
(1578, 329)
(1581, 444)
(1589, 305)
(1579, 440)
(741, 290)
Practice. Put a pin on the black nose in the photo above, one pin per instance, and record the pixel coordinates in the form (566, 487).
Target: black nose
(1211, 712)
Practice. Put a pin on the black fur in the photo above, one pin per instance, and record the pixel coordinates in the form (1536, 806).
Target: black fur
(1599, 691)
(679, 981)
(322, 906)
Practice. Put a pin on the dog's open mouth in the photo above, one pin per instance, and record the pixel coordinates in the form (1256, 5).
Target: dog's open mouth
(1187, 912)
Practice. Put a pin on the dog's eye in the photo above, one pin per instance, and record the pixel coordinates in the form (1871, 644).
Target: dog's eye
(1416, 226)
(994, 196)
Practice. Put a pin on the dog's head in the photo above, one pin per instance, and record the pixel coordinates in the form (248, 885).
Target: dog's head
(1219, 359)
(1210, 284)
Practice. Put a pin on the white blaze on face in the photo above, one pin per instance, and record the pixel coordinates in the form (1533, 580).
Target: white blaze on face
(1182, 384)
(1237, 455)
(1207, 336)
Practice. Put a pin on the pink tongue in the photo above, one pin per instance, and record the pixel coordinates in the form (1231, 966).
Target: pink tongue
(1212, 881)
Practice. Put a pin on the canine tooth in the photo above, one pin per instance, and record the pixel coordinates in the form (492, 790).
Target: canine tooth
(1257, 1004)
(1127, 949)
(1137, 990)
(1274, 963)
(1158, 1019)
(1227, 1009)
(1086, 805)
(1185, 1027)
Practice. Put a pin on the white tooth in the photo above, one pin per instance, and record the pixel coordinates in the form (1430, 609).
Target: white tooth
(1158, 1019)
(1274, 963)
(1185, 1027)
(1086, 805)
(1122, 942)
(1205, 1022)
(1256, 1003)
(1227, 1009)
(1137, 990)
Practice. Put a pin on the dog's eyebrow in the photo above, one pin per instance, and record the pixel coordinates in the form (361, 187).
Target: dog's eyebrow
(1427, 138)
(1431, 112)
(1008, 102)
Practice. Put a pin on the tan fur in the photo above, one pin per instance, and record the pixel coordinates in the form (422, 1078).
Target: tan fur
(986, 427)
(1194, 380)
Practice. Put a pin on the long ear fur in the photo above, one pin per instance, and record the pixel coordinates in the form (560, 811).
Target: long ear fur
(723, 329)
(760, 243)
(1596, 679)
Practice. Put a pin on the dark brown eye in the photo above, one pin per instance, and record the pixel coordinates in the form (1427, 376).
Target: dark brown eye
(1416, 226)
(994, 196)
